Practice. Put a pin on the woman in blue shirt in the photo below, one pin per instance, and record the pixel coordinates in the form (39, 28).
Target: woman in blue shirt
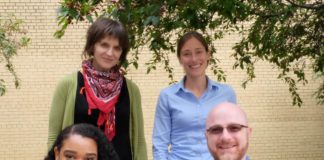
(182, 108)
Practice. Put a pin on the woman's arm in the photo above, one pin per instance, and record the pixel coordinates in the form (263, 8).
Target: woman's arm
(137, 135)
(162, 128)
(56, 113)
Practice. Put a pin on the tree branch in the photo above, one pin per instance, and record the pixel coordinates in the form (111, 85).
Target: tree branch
(316, 5)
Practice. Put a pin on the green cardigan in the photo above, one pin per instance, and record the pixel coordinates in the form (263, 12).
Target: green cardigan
(62, 114)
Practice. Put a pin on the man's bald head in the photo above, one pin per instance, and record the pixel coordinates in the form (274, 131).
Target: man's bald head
(227, 111)
(227, 132)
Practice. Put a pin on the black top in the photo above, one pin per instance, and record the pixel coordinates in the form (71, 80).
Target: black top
(121, 141)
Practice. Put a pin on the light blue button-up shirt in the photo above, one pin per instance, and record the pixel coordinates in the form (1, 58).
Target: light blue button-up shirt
(180, 121)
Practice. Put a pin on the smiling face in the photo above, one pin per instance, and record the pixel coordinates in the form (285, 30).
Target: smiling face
(194, 58)
(228, 136)
(77, 147)
(107, 53)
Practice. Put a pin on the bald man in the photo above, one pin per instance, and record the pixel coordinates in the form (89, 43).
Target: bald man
(228, 132)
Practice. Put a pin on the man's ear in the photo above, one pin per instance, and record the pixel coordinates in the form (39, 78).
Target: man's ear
(206, 136)
(249, 131)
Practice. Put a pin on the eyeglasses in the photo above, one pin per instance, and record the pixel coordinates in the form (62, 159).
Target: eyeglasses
(232, 128)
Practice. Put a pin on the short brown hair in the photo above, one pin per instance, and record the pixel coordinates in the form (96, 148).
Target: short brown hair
(102, 28)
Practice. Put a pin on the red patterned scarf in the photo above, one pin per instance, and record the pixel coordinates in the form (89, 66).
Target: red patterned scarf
(102, 90)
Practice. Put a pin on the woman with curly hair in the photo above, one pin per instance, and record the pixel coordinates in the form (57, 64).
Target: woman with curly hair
(82, 141)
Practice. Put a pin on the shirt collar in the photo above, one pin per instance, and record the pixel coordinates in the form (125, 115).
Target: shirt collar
(211, 85)
(246, 157)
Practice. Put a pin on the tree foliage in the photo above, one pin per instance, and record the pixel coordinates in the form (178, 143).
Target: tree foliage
(11, 40)
(286, 33)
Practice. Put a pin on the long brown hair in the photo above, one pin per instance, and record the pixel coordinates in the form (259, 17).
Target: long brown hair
(189, 35)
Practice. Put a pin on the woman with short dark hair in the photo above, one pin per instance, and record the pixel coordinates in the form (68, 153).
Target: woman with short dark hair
(101, 95)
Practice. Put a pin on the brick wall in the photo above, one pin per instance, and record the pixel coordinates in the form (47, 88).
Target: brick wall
(280, 131)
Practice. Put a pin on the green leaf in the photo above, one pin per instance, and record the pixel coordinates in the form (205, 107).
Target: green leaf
(89, 18)
(24, 41)
(2, 87)
(135, 64)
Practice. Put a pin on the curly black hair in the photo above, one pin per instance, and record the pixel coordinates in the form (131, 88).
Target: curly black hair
(106, 150)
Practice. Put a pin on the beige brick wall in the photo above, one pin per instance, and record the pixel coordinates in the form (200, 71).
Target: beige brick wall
(280, 131)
